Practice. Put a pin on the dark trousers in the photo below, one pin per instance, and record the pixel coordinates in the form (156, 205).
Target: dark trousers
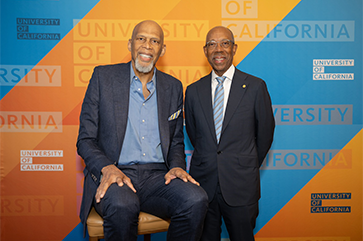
(240, 220)
(184, 203)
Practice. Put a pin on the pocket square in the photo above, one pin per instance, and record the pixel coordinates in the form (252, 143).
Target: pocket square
(174, 116)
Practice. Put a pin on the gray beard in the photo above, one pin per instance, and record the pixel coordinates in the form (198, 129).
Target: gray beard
(143, 69)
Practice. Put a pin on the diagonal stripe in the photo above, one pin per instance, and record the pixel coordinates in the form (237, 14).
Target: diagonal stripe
(217, 116)
(218, 107)
(218, 101)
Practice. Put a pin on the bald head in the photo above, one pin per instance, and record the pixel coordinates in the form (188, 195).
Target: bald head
(149, 24)
(220, 29)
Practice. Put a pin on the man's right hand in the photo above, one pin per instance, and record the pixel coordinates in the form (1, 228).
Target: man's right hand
(112, 174)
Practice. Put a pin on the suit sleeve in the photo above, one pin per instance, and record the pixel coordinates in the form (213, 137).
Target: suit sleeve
(189, 116)
(87, 143)
(265, 122)
(176, 156)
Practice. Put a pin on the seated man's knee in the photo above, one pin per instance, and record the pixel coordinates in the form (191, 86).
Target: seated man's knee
(202, 198)
(197, 199)
(120, 201)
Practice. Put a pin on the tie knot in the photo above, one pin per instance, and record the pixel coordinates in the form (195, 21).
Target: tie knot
(221, 79)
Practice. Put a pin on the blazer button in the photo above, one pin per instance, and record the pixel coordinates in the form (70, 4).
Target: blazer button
(219, 152)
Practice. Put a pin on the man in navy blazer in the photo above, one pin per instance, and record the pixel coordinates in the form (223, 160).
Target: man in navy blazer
(131, 140)
(226, 163)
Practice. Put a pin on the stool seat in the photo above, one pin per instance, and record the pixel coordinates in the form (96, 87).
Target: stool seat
(148, 224)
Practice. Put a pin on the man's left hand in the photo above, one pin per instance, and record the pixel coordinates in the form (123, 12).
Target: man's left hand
(178, 172)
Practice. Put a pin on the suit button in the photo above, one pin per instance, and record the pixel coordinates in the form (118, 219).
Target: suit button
(219, 152)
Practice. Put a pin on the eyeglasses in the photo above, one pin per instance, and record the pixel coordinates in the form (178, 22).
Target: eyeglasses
(225, 43)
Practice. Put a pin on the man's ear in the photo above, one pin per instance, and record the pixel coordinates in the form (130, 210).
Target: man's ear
(163, 50)
(234, 49)
(205, 51)
(129, 45)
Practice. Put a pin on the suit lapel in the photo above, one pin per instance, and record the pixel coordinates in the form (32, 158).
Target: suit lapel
(205, 98)
(163, 101)
(238, 89)
(121, 94)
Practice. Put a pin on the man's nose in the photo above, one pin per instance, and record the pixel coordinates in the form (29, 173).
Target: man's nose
(219, 47)
(147, 44)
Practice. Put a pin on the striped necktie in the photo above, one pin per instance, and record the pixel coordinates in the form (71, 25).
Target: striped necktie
(218, 107)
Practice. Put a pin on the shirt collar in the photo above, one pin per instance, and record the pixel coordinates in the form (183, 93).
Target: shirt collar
(229, 73)
(133, 76)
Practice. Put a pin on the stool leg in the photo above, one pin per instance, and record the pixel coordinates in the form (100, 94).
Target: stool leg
(147, 237)
(93, 239)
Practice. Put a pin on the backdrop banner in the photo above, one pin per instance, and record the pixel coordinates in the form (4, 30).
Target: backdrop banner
(309, 52)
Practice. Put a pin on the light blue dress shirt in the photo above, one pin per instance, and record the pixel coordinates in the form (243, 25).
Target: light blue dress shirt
(142, 138)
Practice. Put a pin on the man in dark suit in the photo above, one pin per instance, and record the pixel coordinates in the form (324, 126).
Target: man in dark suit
(230, 123)
(131, 140)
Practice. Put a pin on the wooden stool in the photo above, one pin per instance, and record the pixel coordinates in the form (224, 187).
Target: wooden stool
(148, 224)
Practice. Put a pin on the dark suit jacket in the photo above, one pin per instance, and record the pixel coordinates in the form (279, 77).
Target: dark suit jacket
(103, 122)
(246, 137)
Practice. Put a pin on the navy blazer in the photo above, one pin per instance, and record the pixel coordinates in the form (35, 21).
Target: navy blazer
(246, 137)
(103, 122)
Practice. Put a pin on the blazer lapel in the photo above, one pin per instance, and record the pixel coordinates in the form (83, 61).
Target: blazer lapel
(205, 98)
(121, 94)
(163, 102)
(238, 89)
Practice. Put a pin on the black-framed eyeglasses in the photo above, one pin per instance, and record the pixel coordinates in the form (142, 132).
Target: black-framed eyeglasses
(225, 43)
